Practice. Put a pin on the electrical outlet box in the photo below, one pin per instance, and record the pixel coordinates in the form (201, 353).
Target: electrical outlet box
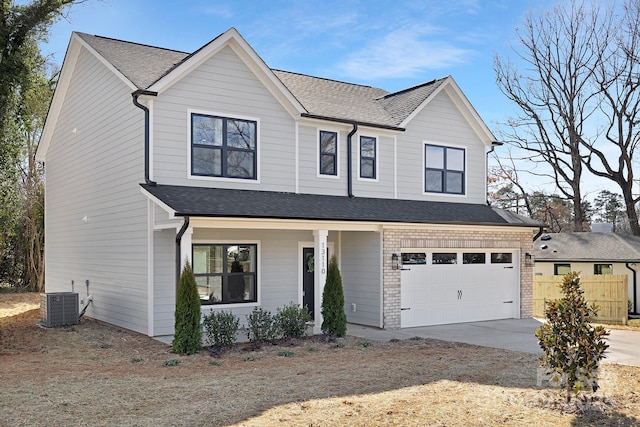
(353, 307)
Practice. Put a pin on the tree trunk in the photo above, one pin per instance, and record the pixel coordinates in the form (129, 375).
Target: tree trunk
(630, 206)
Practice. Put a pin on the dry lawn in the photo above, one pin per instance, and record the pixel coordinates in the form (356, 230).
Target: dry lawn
(100, 375)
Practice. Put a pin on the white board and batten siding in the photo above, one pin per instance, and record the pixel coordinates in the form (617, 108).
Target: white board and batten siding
(440, 123)
(96, 217)
(362, 277)
(223, 86)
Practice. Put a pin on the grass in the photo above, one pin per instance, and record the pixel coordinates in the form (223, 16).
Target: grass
(57, 374)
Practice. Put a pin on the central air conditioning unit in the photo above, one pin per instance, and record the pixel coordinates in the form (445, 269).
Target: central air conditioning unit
(59, 309)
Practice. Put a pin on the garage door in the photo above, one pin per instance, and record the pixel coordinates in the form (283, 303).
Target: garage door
(440, 287)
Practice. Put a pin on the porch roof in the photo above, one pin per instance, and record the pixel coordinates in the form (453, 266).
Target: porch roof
(217, 202)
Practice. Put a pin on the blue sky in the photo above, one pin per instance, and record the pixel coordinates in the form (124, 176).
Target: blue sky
(387, 44)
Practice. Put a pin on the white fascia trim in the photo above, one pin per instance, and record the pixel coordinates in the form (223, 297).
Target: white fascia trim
(68, 66)
(158, 202)
(245, 52)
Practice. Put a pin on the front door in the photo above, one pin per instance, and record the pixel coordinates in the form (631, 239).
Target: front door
(307, 279)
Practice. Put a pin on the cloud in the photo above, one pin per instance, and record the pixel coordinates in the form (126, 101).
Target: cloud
(403, 53)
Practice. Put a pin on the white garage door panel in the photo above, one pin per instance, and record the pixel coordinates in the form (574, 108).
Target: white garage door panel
(454, 293)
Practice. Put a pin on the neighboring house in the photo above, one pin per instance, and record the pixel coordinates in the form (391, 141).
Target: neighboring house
(258, 176)
(590, 253)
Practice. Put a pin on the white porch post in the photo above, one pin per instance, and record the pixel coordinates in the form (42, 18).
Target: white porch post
(185, 248)
(320, 275)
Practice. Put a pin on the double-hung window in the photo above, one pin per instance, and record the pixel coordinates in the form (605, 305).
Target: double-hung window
(328, 153)
(226, 273)
(223, 147)
(367, 157)
(444, 169)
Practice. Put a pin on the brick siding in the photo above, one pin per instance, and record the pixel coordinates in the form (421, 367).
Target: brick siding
(396, 239)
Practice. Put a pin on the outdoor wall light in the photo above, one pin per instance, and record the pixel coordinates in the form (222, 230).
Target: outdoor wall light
(395, 262)
(528, 259)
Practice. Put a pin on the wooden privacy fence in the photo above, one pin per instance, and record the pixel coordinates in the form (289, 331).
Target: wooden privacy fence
(608, 291)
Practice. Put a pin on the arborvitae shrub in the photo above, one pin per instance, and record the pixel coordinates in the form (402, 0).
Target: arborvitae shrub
(334, 318)
(187, 338)
(221, 328)
(572, 347)
(292, 321)
(261, 325)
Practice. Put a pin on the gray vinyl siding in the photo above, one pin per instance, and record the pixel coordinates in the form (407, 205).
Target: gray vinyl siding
(164, 281)
(440, 123)
(278, 266)
(382, 186)
(223, 85)
(309, 152)
(93, 169)
(361, 276)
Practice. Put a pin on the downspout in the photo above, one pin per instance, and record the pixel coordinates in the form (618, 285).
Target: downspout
(135, 96)
(181, 232)
(494, 144)
(349, 156)
(540, 231)
(635, 289)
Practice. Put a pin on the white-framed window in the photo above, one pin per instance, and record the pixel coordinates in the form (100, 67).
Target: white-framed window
(444, 169)
(223, 147)
(561, 269)
(328, 148)
(368, 150)
(602, 268)
(226, 273)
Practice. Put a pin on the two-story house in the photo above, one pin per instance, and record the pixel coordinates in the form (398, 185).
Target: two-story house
(257, 176)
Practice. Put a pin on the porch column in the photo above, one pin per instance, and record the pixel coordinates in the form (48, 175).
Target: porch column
(320, 275)
(185, 248)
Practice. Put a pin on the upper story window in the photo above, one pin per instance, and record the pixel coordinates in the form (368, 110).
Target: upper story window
(368, 157)
(444, 169)
(328, 153)
(223, 147)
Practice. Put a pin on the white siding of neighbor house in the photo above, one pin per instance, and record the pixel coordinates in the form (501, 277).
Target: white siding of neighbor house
(223, 85)
(361, 277)
(93, 166)
(440, 123)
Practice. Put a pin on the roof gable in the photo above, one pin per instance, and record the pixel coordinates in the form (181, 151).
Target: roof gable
(155, 69)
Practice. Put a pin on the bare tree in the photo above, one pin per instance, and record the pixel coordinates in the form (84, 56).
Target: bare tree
(618, 82)
(554, 92)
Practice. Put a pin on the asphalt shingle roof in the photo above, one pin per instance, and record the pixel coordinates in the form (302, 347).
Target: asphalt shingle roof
(216, 202)
(144, 65)
(588, 247)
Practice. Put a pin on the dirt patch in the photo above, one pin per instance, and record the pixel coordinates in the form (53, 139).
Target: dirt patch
(98, 374)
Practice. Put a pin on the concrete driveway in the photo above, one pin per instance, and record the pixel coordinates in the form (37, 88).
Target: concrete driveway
(510, 334)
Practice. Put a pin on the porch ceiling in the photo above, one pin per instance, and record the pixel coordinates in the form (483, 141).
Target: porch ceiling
(216, 202)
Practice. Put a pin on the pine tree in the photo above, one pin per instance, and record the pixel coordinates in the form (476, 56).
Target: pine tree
(334, 318)
(187, 338)
(572, 347)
